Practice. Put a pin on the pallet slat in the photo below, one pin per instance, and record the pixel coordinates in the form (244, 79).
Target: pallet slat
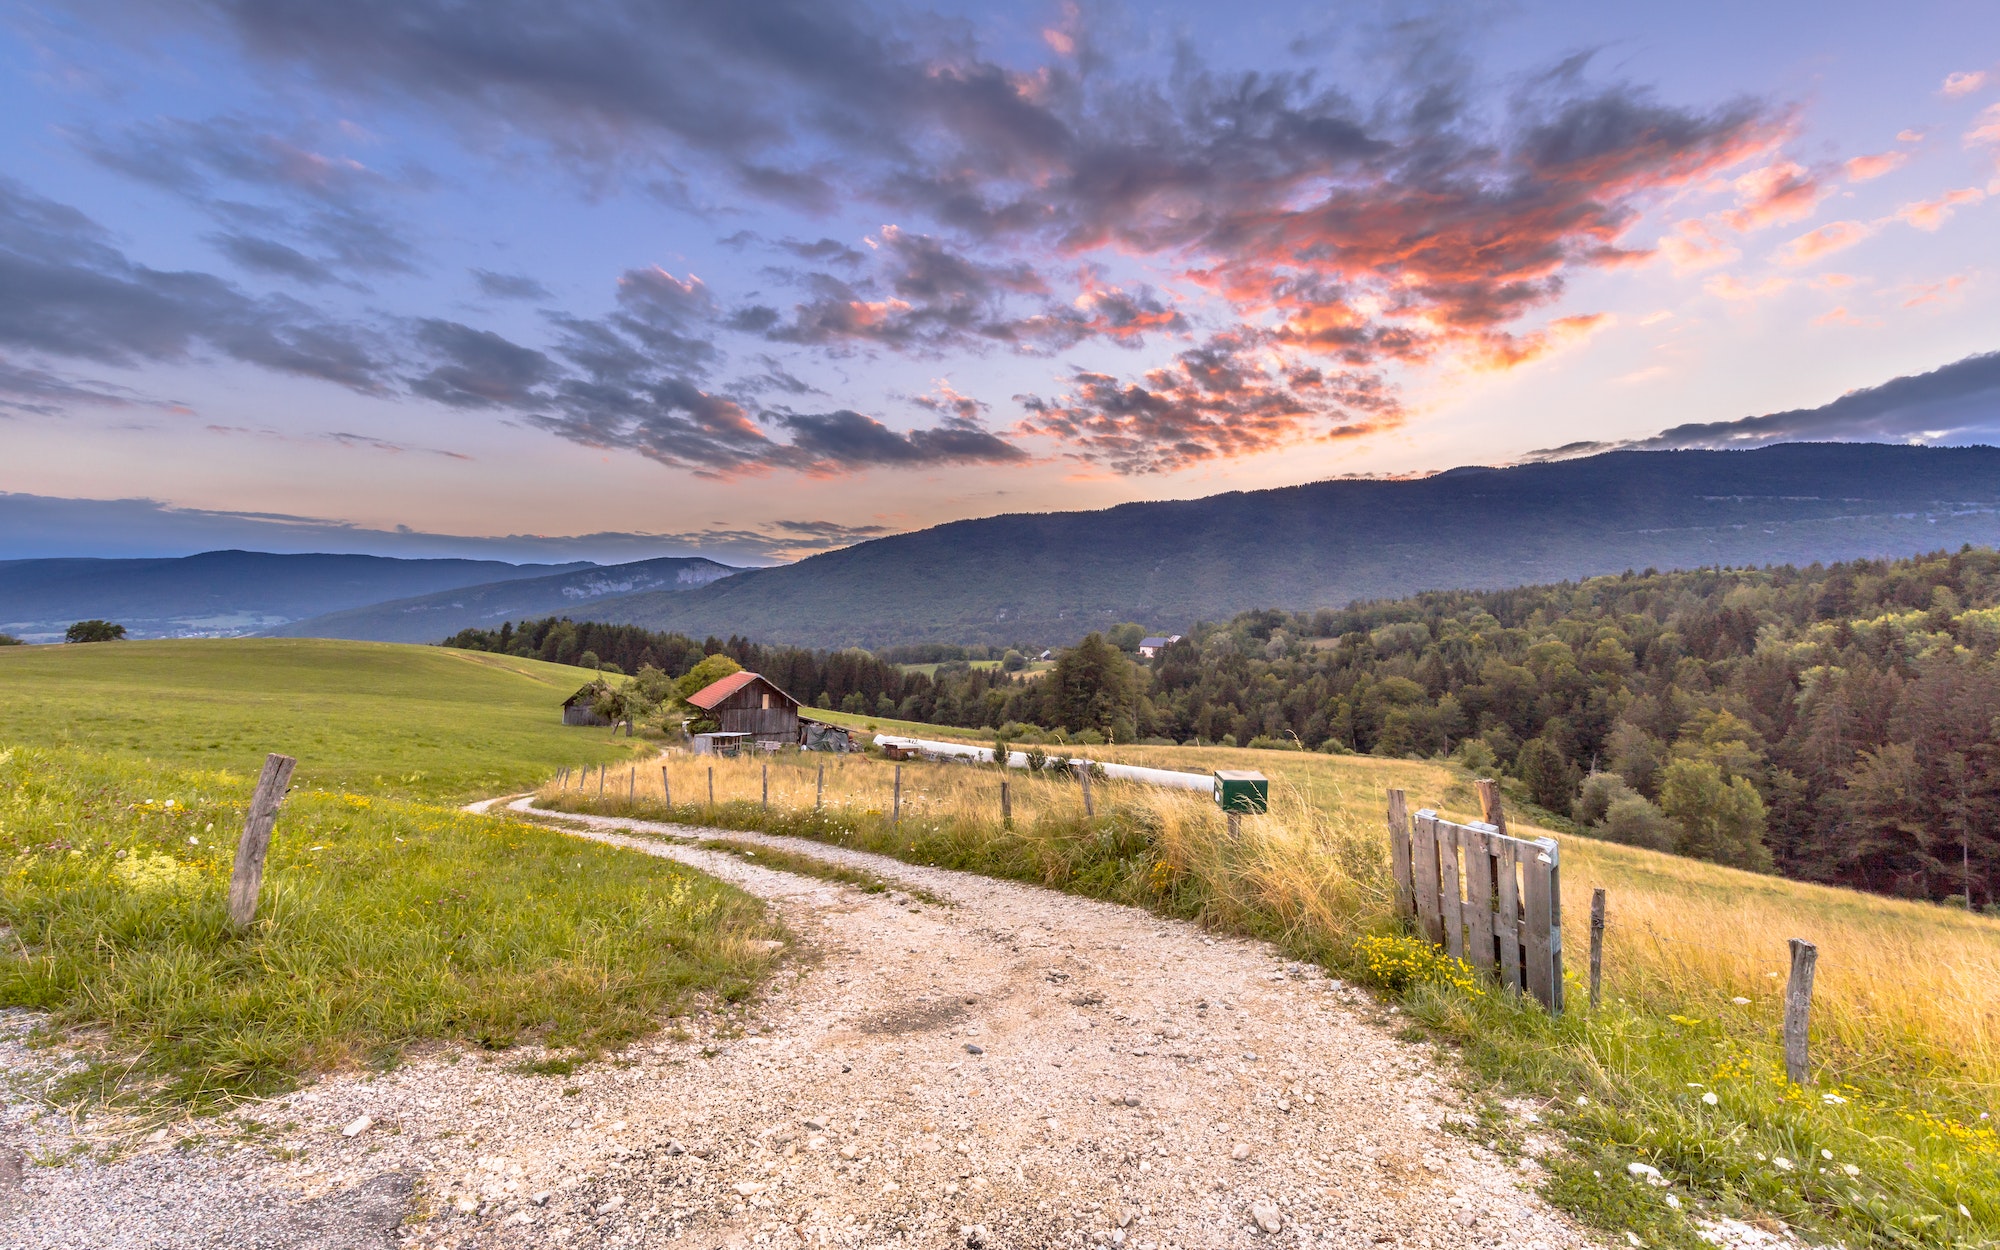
(1537, 887)
(1424, 872)
(1507, 910)
(1451, 899)
(1399, 855)
(1477, 855)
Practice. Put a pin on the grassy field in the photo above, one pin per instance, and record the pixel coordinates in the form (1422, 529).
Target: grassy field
(1673, 1070)
(388, 917)
(419, 722)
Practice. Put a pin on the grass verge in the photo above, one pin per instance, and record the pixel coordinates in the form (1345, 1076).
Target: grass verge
(1679, 1071)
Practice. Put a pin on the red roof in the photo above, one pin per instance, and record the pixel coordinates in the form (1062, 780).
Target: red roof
(715, 692)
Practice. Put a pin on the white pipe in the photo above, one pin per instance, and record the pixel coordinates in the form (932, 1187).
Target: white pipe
(1019, 759)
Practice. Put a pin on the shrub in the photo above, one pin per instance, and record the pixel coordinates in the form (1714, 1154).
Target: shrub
(1636, 822)
(1600, 791)
(93, 631)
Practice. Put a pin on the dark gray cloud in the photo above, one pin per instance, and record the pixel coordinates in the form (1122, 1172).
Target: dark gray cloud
(509, 285)
(42, 392)
(832, 441)
(301, 197)
(480, 369)
(66, 291)
(1956, 404)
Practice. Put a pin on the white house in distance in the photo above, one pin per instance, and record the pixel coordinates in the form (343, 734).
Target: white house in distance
(1150, 647)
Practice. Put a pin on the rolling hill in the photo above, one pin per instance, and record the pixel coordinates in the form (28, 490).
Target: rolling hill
(427, 618)
(220, 593)
(1050, 578)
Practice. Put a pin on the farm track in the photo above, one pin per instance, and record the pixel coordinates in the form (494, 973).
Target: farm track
(1016, 1068)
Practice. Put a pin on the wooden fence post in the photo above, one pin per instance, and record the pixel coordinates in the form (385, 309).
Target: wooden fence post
(711, 787)
(600, 780)
(1490, 810)
(767, 787)
(1798, 1011)
(1089, 809)
(1596, 944)
(819, 790)
(1399, 854)
(666, 790)
(1235, 826)
(631, 783)
(1006, 808)
(896, 810)
(248, 879)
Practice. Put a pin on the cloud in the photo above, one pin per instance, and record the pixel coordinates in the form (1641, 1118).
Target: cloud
(480, 369)
(833, 442)
(1729, 287)
(1694, 246)
(1956, 404)
(42, 392)
(1917, 295)
(71, 293)
(1217, 400)
(320, 203)
(1864, 168)
(1839, 315)
(1963, 83)
(509, 285)
(1775, 195)
(1344, 234)
(1833, 237)
(1987, 127)
(1931, 214)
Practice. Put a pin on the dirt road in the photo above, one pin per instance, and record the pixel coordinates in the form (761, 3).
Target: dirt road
(1006, 1067)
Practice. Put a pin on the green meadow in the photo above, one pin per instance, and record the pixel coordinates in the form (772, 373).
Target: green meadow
(388, 917)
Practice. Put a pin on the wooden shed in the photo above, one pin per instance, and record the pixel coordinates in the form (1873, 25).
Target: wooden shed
(580, 708)
(748, 703)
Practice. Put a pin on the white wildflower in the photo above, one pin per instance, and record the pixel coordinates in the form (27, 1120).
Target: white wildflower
(1781, 1163)
(1710, 1098)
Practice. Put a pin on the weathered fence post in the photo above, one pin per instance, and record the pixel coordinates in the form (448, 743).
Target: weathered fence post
(767, 787)
(1596, 944)
(666, 790)
(1798, 1011)
(631, 783)
(1235, 826)
(1006, 808)
(600, 780)
(1089, 809)
(711, 787)
(896, 809)
(819, 790)
(1490, 810)
(248, 878)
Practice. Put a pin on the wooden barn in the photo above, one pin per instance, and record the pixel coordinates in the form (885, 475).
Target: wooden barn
(580, 708)
(748, 703)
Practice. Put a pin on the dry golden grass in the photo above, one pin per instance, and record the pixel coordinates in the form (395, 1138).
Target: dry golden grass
(1901, 979)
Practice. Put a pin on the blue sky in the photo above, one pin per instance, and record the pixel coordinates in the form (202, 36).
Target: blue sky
(756, 280)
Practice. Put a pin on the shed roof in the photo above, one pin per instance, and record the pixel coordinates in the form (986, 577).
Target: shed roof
(586, 695)
(716, 691)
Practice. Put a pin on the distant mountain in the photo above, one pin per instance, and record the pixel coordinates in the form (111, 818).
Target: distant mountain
(1050, 578)
(221, 593)
(428, 618)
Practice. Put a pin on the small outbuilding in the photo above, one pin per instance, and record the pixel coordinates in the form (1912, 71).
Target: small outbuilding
(1150, 647)
(747, 703)
(581, 707)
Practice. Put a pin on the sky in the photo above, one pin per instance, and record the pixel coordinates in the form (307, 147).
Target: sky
(622, 279)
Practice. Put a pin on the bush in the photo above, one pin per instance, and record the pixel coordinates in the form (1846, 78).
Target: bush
(1721, 819)
(1600, 791)
(93, 631)
(8, 640)
(1636, 822)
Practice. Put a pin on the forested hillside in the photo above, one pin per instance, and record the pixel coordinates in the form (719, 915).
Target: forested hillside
(1840, 723)
(1837, 723)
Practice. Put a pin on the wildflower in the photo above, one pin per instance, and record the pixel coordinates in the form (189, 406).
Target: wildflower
(1710, 1098)
(1582, 1101)
(194, 841)
(1850, 1169)
(1826, 1154)
(1740, 1001)
(1673, 1202)
(1832, 1100)
(1962, 1211)
(1781, 1163)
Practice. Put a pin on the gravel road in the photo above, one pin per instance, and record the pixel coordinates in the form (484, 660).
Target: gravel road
(1015, 1068)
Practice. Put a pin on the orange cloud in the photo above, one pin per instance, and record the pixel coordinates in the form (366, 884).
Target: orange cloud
(1909, 136)
(1964, 83)
(1693, 246)
(1932, 292)
(1730, 287)
(1839, 316)
(1832, 281)
(1862, 168)
(1833, 237)
(1774, 195)
(1930, 214)
(1987, 130)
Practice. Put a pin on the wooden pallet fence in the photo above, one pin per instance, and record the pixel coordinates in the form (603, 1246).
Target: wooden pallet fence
(1486, 897)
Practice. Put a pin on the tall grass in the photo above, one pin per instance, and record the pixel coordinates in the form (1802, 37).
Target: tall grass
(1893, 1145)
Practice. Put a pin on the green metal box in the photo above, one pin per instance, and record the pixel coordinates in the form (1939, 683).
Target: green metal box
(1241, 790)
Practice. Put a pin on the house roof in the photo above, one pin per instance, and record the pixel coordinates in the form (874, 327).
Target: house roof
(586, 695)
(715, 692)
(1159, 641)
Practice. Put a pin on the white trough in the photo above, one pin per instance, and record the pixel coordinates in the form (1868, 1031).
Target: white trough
(1204, 782)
